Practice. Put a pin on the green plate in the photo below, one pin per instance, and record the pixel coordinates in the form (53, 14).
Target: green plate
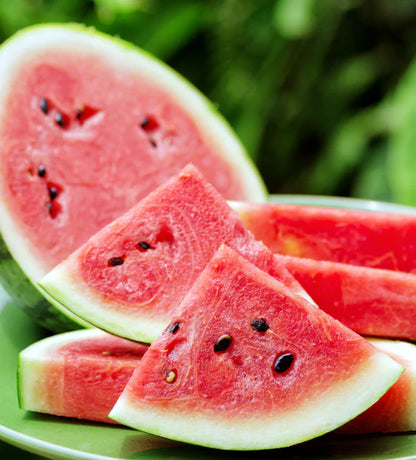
(60, 438)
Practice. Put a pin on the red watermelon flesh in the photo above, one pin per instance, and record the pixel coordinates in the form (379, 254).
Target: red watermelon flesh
(367, 238)
(371, 301)
(129, 278)
(247, 364)
(78, 374)
(395, 411)
(87, 134)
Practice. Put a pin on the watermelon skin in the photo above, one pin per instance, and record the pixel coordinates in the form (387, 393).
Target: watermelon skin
(371, 301)
(92, 173)
(42, 308)
(395, 411)
(181, 224)
(77, 374)
(234, 399)
(359, 237)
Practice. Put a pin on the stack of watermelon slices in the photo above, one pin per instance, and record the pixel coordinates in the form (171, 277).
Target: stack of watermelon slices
(240, 357)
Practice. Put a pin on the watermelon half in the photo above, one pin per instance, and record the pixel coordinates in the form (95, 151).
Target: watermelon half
(246, 364)
(76, 374)
(129, 278)
(89, 125)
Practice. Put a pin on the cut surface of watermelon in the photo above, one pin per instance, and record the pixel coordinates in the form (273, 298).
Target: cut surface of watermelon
(129, 277)
(353, 236)
(371, 301)
(395, 411)
(76, 374)
(89, 125)
(247, 364)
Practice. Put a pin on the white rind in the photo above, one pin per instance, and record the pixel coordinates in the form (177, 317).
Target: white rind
(68, 289)
(333, 408)
(31, 43)
(406, 351)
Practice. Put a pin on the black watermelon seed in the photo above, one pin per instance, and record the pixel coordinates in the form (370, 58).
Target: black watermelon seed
(223, 343)
(174, 328)
(41, 171)
(283, 362)
(149, 123)
(53, 193)
(144, 245)
(153, 143)
(59, 118)
(259, 325)
(115, 261)
(44, 106)
(80, 111)
(145, 122)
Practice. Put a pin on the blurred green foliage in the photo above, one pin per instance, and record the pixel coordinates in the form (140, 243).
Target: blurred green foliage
(321, 92)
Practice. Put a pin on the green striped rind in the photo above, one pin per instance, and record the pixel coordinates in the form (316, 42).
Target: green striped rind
(46, 313)
(19, 272)
(336, 406)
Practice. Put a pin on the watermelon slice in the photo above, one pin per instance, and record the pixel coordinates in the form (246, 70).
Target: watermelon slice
(395, 411)
(370, 301)
(77, 374)
(129, 278)
(89, 125)
(91, 369)
(247, 364)
(360, 237)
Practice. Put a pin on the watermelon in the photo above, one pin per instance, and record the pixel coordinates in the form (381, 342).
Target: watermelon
(89, 125)
(395, 411)
(76, 374)
(247, 364)
(353, 236)
(129, 278)
(91, 369)
(361, 291)
(371, 301)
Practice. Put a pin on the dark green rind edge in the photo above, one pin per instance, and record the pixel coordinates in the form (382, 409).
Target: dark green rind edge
(24, 293)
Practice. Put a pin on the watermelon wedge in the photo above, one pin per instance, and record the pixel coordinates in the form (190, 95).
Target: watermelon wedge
(395, 411)
(360, 237)
(76, 374)
(91, 369)
(89, 125)
(246, 364)
(370, 301)
(129, 278)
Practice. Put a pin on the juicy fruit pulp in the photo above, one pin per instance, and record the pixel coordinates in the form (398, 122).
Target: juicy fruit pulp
(78, 374)
(89, 125)
(371, 299)
(271, 385)
(130, 277)
(366, 238)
